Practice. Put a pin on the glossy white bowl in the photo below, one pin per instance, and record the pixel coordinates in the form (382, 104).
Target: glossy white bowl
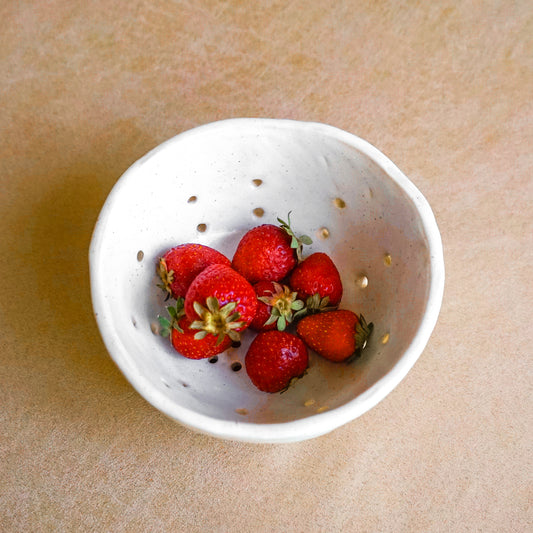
(344, 193)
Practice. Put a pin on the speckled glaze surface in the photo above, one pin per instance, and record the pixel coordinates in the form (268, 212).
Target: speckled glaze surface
(209, 185)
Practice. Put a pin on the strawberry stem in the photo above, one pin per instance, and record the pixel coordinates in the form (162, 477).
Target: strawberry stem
(297, 242)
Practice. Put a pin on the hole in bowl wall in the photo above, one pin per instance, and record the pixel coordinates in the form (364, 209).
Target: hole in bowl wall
(362, 281)
(323, 233)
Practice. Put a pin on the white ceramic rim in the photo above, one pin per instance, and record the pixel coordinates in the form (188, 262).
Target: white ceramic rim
(317, 424)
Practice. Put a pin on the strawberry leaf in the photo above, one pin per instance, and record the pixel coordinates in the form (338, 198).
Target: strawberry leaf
(271, 319)
(316, 304)
(165, 326)
(297, 242)
(362, 334)
(234, 336)
(166, 276)
(175, 313)
(297, 305)
(212, 304)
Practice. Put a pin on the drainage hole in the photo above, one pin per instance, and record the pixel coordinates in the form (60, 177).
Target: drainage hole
(362, 281)
(323, 233)
(236, 366)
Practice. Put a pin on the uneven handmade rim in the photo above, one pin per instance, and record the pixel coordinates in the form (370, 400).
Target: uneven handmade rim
(317, 424)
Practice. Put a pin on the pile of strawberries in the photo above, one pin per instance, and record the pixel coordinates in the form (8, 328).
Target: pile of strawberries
(268, 287)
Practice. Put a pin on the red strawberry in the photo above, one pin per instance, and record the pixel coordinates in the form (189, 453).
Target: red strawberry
(317, 275)
(274, 359)
(180, 265)
(275, 306)
(268, 252)
(220, 302)
(185, 340)
(335, 335)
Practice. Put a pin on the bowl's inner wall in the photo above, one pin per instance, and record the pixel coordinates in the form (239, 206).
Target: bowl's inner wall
(300, 171)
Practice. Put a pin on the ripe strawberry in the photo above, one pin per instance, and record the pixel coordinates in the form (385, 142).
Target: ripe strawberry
(317, 275)
(220, 302)
(184, 339)
(268, 252)
(180, 265)
(274, 359)
(335, 335)
(275, 306)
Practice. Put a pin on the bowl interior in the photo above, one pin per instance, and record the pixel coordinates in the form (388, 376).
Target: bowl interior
(210, 185)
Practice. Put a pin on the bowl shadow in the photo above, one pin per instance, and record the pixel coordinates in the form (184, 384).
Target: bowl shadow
(59, 363)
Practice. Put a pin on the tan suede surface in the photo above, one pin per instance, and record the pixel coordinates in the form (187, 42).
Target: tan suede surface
(442, 88)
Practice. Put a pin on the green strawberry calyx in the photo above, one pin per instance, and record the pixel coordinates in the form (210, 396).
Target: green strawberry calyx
(315, 304)
(284, 303)
(297, 242)
(167, 276)
(216, 320)
(363, 330)
(176, 313)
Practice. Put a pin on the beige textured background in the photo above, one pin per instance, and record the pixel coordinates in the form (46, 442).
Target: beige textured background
(443, 88)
